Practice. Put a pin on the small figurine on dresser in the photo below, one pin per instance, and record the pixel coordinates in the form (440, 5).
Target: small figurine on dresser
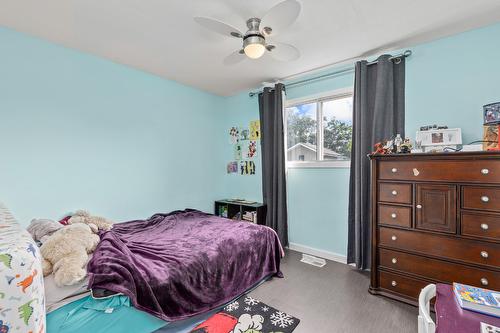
(381, 149)
(393, 146)
(406, 146)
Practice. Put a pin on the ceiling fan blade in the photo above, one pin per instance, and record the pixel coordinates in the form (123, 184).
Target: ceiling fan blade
(234, 58)
(280, 17)
(283, 52)
(218, 26)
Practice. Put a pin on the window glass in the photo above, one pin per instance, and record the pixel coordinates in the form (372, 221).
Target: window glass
(302, 132)
(320, 130)
(337, 128)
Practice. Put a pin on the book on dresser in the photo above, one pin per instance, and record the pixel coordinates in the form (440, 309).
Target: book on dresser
(435, 219)
(477, 299)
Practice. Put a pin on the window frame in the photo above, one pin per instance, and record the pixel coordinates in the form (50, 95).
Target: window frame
(318, 98)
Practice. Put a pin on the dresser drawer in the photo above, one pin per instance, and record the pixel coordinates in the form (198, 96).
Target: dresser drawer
(438, 270)
(481, 225)
(401, 284)
(464, 250)
(395, 192)
(394, 215)
(480, 171)
(484, 198)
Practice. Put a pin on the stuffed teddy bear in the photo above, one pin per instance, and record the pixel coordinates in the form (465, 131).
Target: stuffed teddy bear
(82, 216)
(66, 253)
(41, 229)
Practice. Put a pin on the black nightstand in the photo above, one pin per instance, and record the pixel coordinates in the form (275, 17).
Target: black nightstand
(236, 210)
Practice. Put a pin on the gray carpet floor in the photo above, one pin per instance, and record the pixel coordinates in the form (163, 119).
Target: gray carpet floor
(334, 299)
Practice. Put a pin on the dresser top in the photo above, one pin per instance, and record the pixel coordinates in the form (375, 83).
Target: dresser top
(440, 156)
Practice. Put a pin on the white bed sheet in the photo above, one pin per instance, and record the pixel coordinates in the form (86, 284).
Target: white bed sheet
(56, 297)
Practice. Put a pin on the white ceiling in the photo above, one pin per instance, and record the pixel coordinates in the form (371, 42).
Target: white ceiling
(160, 36)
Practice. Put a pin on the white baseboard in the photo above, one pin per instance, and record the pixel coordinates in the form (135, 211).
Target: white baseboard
(318, 253)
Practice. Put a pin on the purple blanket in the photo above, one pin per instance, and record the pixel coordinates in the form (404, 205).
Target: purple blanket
(183, 263)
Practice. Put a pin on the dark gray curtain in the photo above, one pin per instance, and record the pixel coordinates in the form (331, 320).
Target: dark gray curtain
(379, 109)
(273, 160)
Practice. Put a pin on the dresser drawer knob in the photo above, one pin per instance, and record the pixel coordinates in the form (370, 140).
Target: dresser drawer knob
(394, 237)
(394, 283)
(394, 170)
(394, 192)
(394, 260)
(484, 198)
(484, 226)
(419, 206)
(393, 215)
(485, 171)
(484, 254)
(484, 281)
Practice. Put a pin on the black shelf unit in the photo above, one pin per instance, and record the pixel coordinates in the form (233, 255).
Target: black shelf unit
(235, 207)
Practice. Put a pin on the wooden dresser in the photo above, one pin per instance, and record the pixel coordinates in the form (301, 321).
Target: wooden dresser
(435, 218)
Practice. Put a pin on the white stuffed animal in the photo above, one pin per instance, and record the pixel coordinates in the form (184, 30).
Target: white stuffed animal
(82, 216)
(66, 253)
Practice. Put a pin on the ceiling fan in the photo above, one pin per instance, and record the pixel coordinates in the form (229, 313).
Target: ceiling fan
(255, 42)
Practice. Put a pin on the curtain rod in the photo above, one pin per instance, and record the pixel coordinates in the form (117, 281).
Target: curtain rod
(405, 54)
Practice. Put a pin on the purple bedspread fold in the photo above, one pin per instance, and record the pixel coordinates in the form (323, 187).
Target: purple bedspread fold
(183, 263)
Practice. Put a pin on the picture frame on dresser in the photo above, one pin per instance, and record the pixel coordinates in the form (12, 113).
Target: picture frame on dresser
(439, 138)
(435, 219)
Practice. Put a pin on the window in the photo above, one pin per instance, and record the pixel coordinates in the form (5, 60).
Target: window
(320, 143)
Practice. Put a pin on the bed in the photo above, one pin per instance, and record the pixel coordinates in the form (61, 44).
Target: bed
(168, 273)
(184, 263)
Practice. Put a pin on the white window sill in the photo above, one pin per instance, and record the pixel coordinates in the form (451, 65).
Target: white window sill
(319, 165)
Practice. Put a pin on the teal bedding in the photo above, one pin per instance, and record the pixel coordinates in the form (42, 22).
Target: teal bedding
(117, 315)
(111, 315)
(91, 315)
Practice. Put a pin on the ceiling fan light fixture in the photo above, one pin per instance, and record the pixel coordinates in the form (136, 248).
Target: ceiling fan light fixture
(275, 21)
(254, 46)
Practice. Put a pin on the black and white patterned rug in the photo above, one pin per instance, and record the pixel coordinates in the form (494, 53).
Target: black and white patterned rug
(248, 315)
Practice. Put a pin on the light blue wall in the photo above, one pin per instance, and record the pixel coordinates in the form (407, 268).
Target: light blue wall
(447, 82)
(238, 110)
(317, 208)
(77, 131)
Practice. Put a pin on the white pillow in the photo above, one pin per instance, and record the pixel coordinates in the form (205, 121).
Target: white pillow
(21, 277)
